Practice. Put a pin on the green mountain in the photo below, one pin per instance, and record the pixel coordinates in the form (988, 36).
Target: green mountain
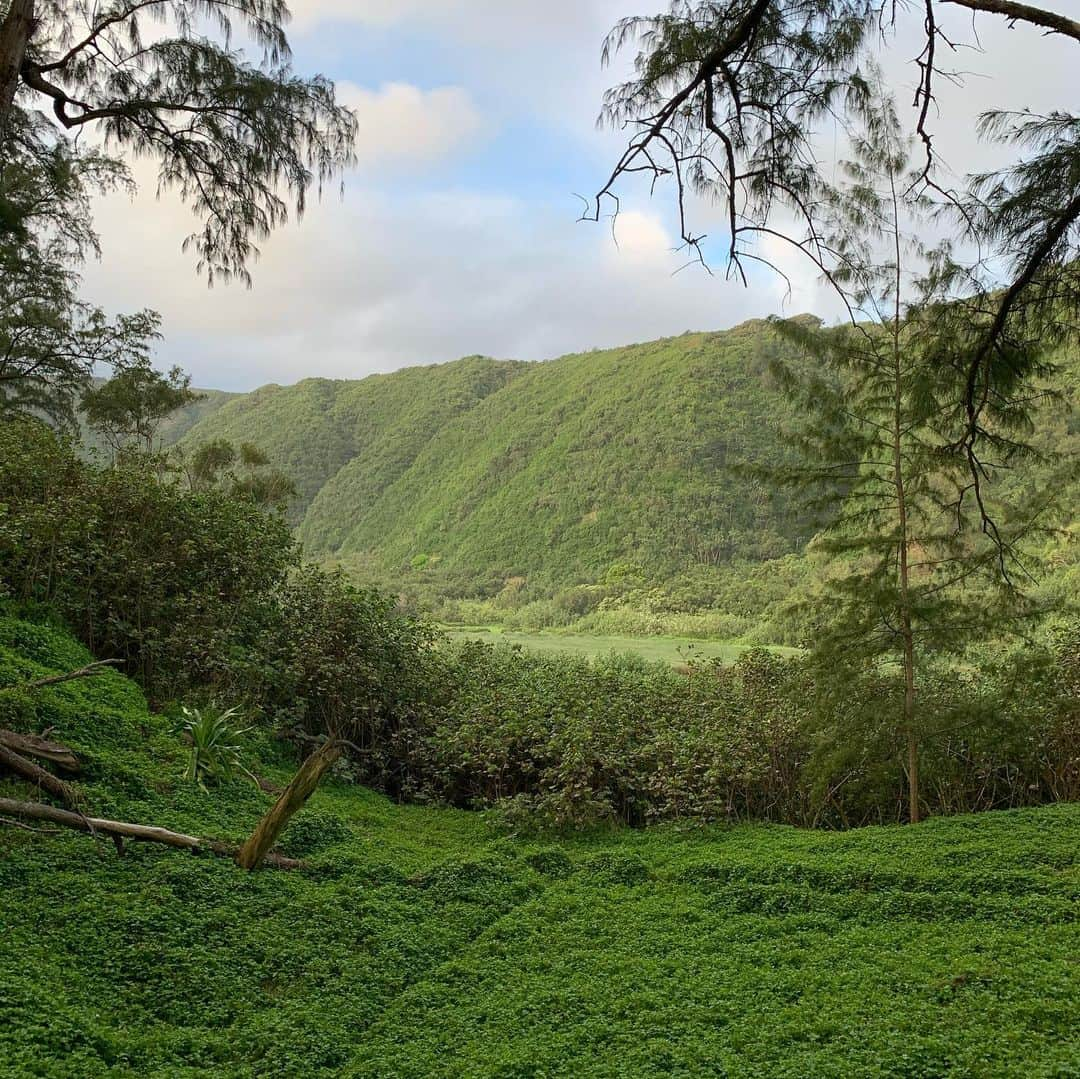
(600, 476)
(468, 475)
(314, 429)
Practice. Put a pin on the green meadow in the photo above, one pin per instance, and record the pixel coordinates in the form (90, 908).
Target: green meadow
(674, 650)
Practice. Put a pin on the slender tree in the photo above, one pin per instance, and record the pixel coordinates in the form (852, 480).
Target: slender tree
(50, 340)
(245, 472)
(127, 409)
(910, 581)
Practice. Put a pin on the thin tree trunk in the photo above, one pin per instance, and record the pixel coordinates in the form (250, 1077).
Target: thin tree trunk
(15, 33)
(99, 666)
(906, 630)
(290, 801)
(121, 830)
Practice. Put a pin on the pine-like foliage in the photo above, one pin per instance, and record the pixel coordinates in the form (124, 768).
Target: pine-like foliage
(160, 79)
(917, 572)
(730, 99)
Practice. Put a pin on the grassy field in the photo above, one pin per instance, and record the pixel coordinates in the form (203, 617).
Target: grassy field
(666, 649)
(419, 942)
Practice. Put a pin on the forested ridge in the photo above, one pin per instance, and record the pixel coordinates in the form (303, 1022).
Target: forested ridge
(575, 479)
(473, 473)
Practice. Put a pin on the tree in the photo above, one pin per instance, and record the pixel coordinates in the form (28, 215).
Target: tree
(50, 340)
(235, 139)
(729, 97)
(211, 465)
(130, 406)
(911, 581)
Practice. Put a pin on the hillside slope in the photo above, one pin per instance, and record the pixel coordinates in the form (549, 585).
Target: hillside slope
(473, 474)
(419, 942)
(315, 427)
(611, 473)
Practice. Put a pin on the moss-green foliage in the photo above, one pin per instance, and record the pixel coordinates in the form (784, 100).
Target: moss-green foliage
(378, 426)
(421, 943)
(456, 479)
(593, 490)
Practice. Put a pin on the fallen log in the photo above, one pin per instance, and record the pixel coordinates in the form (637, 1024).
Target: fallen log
(121, 830)
(33, 745)
(291, 800)
(34, 773)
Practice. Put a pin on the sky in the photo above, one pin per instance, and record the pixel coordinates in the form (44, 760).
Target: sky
(458, 230)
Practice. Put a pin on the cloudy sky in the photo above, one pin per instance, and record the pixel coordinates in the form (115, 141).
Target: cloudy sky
(458, 231)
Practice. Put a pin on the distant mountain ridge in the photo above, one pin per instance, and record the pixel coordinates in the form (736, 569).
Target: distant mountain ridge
(477, 472)
(530, 480)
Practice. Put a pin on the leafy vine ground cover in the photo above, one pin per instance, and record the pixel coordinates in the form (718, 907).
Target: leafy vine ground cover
(420, 942)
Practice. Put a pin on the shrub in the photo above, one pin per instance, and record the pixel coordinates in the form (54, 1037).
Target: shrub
(216, 755)
(169, 581)
(200, 591)
(556, 742)
(333, 658)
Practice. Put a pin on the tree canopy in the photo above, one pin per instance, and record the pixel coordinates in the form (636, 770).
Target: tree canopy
(727, 101)
(242, 143)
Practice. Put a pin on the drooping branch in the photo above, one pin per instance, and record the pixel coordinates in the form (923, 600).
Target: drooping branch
(1017, 12)
(238, 140)
(728, 101)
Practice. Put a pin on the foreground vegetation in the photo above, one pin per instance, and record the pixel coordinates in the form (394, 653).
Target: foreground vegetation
(426, 942)
(202, 596)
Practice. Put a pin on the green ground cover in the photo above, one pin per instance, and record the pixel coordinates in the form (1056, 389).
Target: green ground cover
(422, 942)
(665, 649)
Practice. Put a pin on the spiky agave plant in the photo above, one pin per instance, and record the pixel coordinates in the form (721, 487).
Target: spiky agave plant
(215, 748)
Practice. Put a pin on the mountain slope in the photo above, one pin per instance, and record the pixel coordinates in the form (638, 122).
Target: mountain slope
(609, 471)
(471, 474)
(314, 428)
(585, 462)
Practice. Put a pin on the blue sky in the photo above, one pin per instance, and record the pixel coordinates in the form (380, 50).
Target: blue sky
(458, 229)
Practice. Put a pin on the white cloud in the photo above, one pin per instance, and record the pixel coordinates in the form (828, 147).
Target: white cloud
(402, 124)
(394, 275)
(379, 281)
(641, 239)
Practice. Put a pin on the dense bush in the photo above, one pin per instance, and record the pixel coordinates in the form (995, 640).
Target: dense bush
(200, 593)
(169, 581)
(336, 658)
(557, 741)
